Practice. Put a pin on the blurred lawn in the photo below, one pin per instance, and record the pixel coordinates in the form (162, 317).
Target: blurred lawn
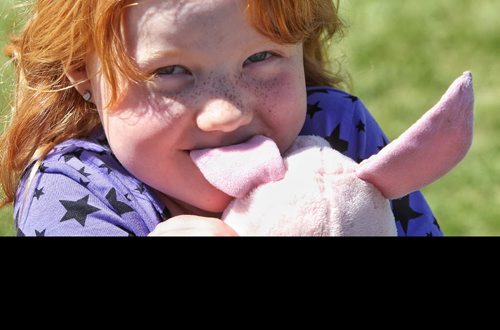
(402, 55)
(7, 25)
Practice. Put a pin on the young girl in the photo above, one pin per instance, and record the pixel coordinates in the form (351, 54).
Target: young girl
(112, 95)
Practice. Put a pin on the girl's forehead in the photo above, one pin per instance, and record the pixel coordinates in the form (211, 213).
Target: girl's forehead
(187, 23)
(184, 16)
(184, 11)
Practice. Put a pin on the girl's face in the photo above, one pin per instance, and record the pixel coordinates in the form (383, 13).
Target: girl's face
(217, 82)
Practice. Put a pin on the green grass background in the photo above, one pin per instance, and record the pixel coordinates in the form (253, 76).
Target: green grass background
(401, 56)
(8, 23)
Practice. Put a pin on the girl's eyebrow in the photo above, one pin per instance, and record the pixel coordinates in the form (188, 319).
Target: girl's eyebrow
(174, 54)
(156, 56)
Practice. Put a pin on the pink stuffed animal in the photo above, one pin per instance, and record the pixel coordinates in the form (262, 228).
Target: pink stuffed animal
(315, 190)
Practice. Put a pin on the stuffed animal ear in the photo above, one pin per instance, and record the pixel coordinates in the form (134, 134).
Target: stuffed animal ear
(429, 148)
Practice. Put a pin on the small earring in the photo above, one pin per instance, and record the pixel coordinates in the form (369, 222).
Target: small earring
(87, 96)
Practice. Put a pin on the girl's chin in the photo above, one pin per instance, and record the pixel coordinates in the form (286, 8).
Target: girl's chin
(209, 207)
(217, 204)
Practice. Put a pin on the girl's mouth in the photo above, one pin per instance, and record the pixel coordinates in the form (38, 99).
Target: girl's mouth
(236, 169)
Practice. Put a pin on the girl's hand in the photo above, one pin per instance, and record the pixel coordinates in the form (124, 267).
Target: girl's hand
(192, 225)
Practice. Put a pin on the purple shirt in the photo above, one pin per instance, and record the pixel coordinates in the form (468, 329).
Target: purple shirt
(82, 190)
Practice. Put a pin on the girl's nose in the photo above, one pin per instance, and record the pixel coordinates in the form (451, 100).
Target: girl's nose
(222, 115)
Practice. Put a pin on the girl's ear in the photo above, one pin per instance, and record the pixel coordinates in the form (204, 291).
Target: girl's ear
(79, 79)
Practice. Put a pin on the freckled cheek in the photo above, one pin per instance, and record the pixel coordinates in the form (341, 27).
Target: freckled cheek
(283, 105)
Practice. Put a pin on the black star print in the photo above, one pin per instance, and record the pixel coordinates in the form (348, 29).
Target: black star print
(128, 231)
(360, 126)
(42, 168)
(103, 165)
(78, 210)
(165, 214)
(316, 91)
(140, 188)
(352, 97)
(336, 142)
(102, 153)
(16, 219)
(16, 223)
(38, 193)
(82, 172)
(119, 207)
(435, 223)
(403, 211)
(313, 108)
(60, 148)
(83, 183)
(74, 154)
(40, 233)
(384, 144)
(127, 197)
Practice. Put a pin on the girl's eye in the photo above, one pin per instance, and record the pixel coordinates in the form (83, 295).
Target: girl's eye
(172, 70)
(259, 57)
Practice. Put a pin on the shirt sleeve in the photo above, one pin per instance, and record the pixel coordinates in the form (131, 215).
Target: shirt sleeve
(62, 201)
(345, 122)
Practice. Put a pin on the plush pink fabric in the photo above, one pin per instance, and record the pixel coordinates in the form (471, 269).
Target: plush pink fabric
(238, 168)
(320, 195)
(316, 190)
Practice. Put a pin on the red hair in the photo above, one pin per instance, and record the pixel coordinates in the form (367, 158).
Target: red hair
(61, 34)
